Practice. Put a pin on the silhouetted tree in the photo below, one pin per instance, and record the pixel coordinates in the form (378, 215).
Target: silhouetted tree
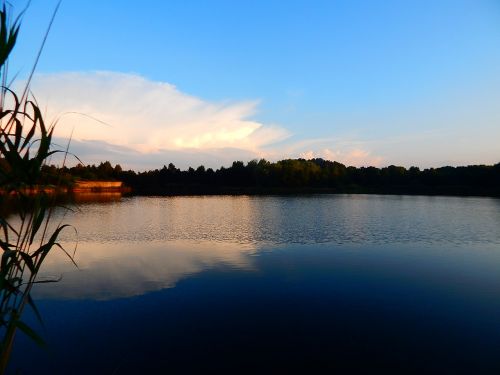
(318, 173)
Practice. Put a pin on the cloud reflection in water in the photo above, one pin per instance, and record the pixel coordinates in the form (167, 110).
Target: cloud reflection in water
(125, 269)
(137, 245)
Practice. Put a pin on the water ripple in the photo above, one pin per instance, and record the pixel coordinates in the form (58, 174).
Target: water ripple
(341, 219)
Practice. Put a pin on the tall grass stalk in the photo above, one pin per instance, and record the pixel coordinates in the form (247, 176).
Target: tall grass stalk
(26, 238)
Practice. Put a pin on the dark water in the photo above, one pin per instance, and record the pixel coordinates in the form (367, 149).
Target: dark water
(274, 284)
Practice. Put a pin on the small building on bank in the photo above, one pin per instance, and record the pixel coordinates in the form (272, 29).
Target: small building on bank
(97, 186)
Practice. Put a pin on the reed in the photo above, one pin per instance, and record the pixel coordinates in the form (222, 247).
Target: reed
(28, 235)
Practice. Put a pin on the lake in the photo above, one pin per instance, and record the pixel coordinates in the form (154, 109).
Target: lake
(245, 284)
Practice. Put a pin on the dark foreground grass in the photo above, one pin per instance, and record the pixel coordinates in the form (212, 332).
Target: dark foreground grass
(27, 235)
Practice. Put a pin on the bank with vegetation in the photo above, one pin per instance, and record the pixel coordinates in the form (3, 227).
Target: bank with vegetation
(290, 176)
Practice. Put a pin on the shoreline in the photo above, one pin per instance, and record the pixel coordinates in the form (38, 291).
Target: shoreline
(253, 191)
(118, 189)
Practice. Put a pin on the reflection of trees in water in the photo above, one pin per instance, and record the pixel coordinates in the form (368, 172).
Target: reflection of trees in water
(90, 197)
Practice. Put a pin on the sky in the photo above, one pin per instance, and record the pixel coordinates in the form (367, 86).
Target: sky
(143, 84)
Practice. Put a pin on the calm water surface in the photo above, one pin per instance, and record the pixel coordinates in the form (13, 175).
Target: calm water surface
(273, 284)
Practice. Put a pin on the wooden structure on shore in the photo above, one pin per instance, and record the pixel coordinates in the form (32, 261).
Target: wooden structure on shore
(79, 187)
(97, 187)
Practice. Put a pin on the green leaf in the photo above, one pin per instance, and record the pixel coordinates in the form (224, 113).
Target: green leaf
(37, 222)
(35, 309)
(30, 333)
(28, 261)
(43, 250)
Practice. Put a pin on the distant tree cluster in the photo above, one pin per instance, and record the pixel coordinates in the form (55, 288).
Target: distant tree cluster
(66, 176)
(295, 176)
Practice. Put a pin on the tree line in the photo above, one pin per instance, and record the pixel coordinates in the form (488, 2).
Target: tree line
(291, 176)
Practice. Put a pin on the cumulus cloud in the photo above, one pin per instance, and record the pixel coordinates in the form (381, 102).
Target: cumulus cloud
(347, 150)
(148, 118)
(96, 151)
(354, 157)
(143, 124)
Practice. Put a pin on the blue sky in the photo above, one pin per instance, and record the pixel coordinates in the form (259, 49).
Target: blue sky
(362, 82)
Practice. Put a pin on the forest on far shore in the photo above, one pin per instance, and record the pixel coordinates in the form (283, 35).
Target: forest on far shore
(290, 176)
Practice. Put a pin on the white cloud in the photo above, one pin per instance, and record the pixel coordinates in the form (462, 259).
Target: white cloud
(142, 124)
(147, 117)
(354, 157)
(348, 150)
